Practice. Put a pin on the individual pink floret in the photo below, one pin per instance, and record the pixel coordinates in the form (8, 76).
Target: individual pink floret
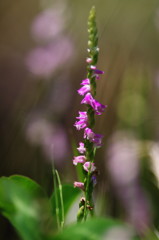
(83, 90)
(79, 185)
(96, 71)
(88, 60)
(83, 121)
(89, 134)
(81, 148)
(89, 167)
(93, 137)
(79, 159)
(97, 106)
(85, 81)
(88, 99)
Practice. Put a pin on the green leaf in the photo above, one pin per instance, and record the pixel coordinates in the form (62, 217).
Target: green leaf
(150, 236)
(26, 206)
(69, 196)
(93, 229)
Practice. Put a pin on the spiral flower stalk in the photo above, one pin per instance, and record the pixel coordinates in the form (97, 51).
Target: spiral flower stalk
(86, 122)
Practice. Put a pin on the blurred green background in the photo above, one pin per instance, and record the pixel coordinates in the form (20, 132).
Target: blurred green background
(43, 47)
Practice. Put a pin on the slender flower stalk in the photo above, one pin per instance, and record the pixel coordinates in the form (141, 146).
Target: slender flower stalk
(86, 121)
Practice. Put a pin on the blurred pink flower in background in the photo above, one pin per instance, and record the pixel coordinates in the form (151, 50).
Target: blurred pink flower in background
(50, 137)
(123, 167)
(137, 206)
(123, 159)
(45, 60)
(56, 146)
(55, 47)
(37, 129)
(48, 24)
(53, 53)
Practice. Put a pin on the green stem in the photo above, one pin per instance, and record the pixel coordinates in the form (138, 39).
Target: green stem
(90, 153)
(87, 195)
(61, 198)
(56, 198)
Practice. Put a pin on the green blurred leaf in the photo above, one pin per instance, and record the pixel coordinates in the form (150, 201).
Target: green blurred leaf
(69, 195)
(26, 206)
(150, 236)
(93, 229)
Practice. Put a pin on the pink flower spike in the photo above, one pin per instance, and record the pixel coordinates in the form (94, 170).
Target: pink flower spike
(79, 185)
(80, 124)
(88, 99)
(93, 67)
(97, 140)
(84, 89)
(98, 107)
(89, 167)
(83, 121)
(93, 137)
(81, 148)
(85, 81)
(82, 115)
(97, 76)
(89, 60)
(79, 159)
(89, 134)
(97, 71)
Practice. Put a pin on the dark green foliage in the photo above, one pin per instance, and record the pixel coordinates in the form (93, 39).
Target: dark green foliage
(29, 210)
(25, 205)
(93, 229)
